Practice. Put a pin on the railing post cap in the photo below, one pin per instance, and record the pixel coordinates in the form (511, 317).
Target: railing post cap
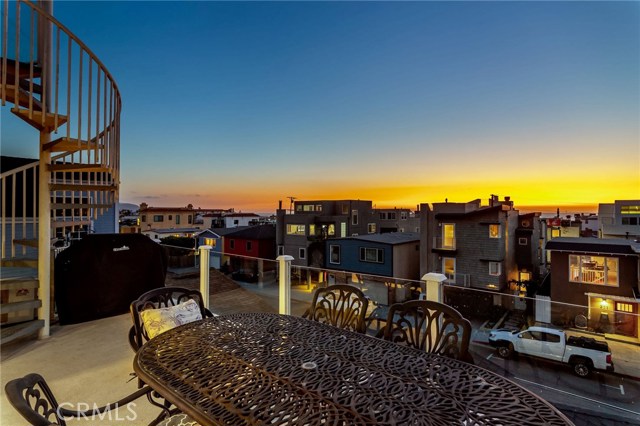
(284, 257)
(434, 276)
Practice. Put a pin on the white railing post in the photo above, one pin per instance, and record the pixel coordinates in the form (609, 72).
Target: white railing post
(204, 274)
(284, 305)
(433, 286)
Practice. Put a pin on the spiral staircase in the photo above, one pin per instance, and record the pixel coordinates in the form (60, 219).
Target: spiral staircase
(52, 81)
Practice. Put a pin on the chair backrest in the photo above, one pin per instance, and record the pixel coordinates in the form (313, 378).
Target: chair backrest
(159, 298)
(340, 305)
(32, 398)
(430, 326)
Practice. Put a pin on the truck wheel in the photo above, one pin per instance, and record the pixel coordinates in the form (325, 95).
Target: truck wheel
(581, 368)
(505, 351)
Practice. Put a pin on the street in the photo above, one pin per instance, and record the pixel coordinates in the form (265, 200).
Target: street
(600, 392)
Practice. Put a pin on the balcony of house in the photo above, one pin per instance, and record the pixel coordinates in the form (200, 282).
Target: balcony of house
(92, 361)
(444, 245)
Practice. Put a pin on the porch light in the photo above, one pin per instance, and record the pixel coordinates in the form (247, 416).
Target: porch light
(604, 304)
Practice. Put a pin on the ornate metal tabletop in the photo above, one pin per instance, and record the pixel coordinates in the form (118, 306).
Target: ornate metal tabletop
(259, 369)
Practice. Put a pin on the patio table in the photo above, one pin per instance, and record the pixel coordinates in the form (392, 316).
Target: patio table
(268, 369)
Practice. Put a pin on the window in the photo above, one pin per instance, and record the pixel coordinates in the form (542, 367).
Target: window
(334, 254)
(318, 207)
(495, 268)
(371, 228)
(312, 230)
(629, 220)
(158, 218)
(280, 250)
(308, 207)
(449, 268)
(144, 218)
(630, 210)
(417, 229)
(354, 217)
(232, 244)
(343, 229)
(170, 217)
(383, 216)
(522, 241)
(331, 229)
(624, 307)
(400, 229)
(302, 253)
(525, 276)
(373, 255)
(189, 219)
(403, 215)
(177, 219)
(298, 207)
(553, 338)
(449, 235)
(555, 232)
(210, 242)
(249, 245)
(345, 209)
(494, 231)
(593, 270)
(296, 229)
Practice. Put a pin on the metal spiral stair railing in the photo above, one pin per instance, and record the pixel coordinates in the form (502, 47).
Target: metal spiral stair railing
(51, 80)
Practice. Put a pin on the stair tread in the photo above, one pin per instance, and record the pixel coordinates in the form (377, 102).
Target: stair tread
(24, 69)
(15, 331)
(20, 306)
(65, 144)
(36, 119)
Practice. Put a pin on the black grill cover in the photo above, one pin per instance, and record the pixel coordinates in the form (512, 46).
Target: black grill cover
(100, 275)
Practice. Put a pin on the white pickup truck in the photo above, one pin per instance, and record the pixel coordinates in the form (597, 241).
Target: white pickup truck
(583, 353)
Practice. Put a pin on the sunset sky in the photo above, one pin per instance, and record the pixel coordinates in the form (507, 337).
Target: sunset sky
(242, 104)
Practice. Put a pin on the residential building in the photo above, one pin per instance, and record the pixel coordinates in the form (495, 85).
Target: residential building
(303, 233)
(371, 257)
(249, 250)
(158, 234)
(620, 219)
(393, 220)
(473, 245)
(598, 279)
(166, 218)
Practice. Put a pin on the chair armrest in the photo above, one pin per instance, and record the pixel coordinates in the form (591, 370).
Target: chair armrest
(114, 405)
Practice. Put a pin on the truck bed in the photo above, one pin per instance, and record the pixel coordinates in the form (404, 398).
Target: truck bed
(588, 343)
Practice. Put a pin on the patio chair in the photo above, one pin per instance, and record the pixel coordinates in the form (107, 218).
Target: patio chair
(164, 297)
(430, 326)
(340, 305)
(32, 398)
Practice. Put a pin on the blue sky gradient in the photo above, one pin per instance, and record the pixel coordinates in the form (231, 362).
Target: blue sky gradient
(240, 104)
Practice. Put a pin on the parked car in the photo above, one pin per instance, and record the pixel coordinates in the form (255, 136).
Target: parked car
(583, 354)
(245, 276)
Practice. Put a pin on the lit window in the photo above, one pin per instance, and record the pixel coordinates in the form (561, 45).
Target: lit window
(318, 207)
(334, 254)
(312, 229)
(593, 270)
(555, 232)
(494, 231)
(331, 230)
(449, 235)
(210, 242)
(296, 229)
(343, 229)
(630, 210)
(371, 228)
(624, 307)
(495, 268)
